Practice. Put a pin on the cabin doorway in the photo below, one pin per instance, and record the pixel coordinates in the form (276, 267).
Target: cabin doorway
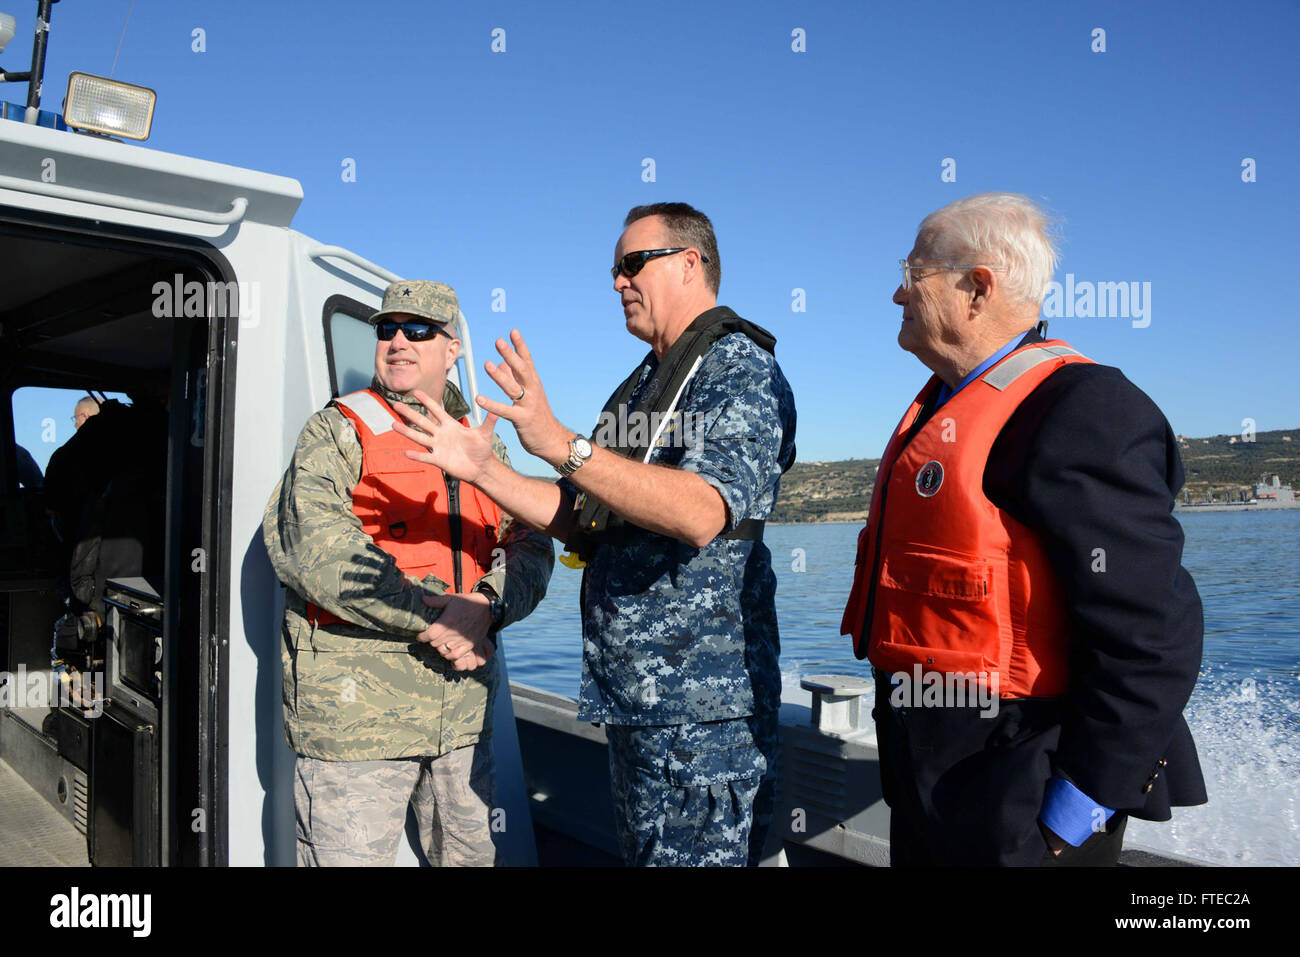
(111, 551)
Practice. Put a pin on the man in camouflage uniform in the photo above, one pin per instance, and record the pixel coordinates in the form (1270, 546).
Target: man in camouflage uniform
(680, 639)
(392, 705)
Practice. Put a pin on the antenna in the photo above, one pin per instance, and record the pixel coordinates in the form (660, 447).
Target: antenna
(36, 74)
(121, 38)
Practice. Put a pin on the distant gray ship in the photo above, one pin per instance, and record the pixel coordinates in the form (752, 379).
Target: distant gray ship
(1268, 493)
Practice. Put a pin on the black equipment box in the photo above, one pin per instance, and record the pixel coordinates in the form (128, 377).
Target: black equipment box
(123, 826)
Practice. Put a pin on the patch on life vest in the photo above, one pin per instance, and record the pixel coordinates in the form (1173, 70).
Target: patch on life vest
(928, 479)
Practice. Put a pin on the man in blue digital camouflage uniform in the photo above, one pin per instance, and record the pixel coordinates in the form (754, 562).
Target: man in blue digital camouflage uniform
(666, 505)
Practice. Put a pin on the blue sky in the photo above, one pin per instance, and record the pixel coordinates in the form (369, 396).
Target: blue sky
(513, 170)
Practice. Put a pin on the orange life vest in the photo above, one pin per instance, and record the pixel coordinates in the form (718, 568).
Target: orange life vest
(430, 524)
(945, 579)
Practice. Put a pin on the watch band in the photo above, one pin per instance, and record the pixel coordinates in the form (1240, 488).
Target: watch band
(496, 607)
(576, 459)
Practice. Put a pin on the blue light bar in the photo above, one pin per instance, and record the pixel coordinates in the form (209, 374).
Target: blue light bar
(45, 118)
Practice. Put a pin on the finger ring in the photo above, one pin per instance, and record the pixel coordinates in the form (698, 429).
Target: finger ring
(522, 390)
(446, 646)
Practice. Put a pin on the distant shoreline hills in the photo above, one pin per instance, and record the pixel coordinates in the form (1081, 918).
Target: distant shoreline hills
(1222, 469)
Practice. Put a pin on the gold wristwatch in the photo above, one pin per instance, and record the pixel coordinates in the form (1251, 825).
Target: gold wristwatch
(579, 453)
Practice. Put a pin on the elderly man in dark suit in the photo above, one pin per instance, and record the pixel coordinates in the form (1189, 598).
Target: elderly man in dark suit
(1018, 589)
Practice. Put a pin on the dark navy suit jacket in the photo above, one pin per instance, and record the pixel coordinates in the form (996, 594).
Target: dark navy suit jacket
(1090, 462)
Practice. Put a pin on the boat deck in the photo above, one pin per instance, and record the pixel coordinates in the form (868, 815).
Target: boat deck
(35, 834)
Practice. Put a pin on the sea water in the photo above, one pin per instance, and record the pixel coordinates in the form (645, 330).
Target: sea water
(1244, 713)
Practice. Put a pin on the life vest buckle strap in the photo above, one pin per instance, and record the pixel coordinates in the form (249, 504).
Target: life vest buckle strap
(319, 617)
(749, 530)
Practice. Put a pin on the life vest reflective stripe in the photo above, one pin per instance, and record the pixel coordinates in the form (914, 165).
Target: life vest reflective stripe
(367, 407)
(429, 524)
(945, 579)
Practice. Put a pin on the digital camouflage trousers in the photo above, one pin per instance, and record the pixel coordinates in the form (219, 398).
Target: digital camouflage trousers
(694, 794)
(352, 813)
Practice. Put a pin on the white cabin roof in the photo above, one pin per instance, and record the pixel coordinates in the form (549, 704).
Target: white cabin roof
(98, 165)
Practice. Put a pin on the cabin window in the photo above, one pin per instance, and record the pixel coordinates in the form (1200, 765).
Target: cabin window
(349, 345)
(350, 349)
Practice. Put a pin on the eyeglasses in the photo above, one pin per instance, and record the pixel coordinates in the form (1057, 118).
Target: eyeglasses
(633, 263)
(415, 330)
(908, 267)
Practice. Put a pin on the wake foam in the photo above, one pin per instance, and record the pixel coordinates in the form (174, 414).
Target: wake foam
(1247, 733)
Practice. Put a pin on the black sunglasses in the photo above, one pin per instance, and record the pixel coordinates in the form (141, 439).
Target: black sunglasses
(633, 263)
(415, 330)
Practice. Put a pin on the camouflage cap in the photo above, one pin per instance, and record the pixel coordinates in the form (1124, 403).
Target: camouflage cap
(419, 297)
